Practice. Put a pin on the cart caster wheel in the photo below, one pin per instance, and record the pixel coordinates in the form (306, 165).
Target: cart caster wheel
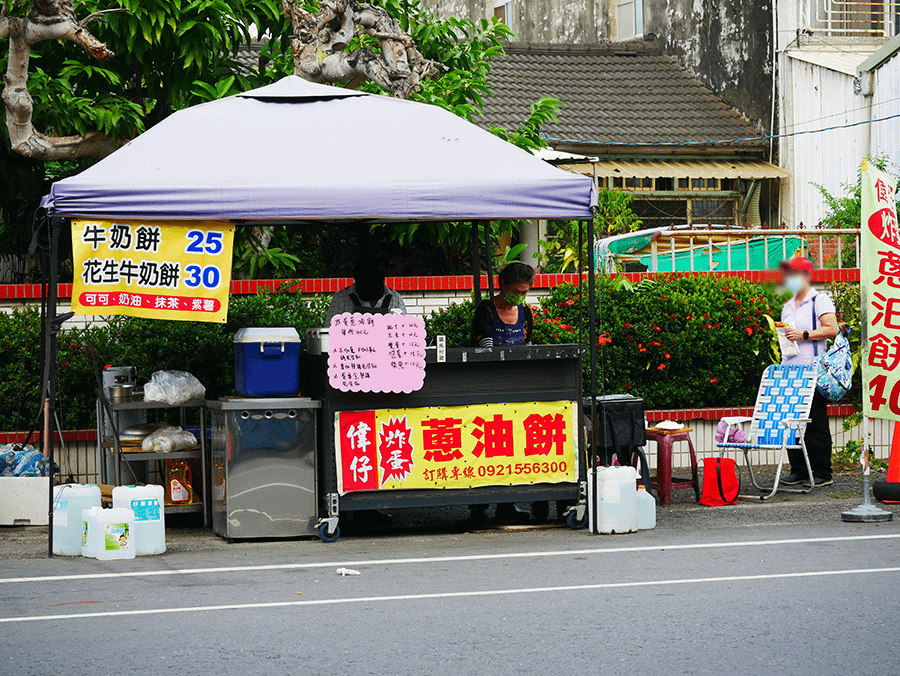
(575, 523)
(327, 537)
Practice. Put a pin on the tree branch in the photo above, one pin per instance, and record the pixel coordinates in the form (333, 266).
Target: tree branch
(319, 41)
(47, 20)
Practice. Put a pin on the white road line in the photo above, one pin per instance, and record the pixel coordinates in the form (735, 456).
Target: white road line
(446, 559)
(450, 595)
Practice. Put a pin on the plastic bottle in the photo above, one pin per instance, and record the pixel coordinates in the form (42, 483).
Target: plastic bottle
(114, 537)
(89, 539)
(68, 501)
(149, 516)
(615, 495)
(646, 509)
(179, 488)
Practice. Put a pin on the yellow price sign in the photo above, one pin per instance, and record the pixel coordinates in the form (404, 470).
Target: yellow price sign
(166, 270)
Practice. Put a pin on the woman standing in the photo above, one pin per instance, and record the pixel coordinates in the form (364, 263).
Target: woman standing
(813, 321)
(505, 319)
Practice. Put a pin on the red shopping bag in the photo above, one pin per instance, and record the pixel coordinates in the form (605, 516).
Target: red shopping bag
(721, 483)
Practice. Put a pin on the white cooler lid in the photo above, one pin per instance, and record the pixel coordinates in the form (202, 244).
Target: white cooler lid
(280, 334)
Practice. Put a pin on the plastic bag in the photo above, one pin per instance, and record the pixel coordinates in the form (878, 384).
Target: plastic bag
(173, 387)
(168, 440)
(788, 347)
(736, 436)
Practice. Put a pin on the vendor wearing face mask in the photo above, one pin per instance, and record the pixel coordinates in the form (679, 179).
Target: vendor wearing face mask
(812, 317)
(505, 319)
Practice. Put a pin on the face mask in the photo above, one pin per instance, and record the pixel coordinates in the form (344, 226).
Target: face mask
(513, 299)
(795, 283)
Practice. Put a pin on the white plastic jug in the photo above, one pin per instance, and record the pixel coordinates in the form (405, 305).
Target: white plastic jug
(646, 509)
(68, 501)
(89, 539)
(612, 495)
(147, 503)
(114, 536)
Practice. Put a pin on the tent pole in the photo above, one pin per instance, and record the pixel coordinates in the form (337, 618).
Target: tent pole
(52, 327)
(487, 250)
(581, 426)
(592, 337)
(476, 262)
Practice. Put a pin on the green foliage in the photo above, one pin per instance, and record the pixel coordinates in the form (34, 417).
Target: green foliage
(848, 456)
(844, 211)
(204, 349)
(455, 322)
(613, 216)
(678, 341)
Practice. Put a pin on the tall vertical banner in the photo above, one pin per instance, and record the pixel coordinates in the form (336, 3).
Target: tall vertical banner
(880, 298)
(167, 270)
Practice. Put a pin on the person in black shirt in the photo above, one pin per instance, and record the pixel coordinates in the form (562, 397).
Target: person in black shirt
(505, 319)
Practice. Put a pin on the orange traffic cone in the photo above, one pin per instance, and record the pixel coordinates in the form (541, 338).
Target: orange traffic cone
(889, 491)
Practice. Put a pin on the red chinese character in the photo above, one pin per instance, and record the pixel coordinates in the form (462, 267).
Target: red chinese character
(495, 439)
(889, 269)
(396, 450)
(883, 224)
(883, 353)
(442, 439)
(468, 472)
(454, 473)
(542, 432)
(889, 311)
(442, 473)
(882, 194)
(357, 449)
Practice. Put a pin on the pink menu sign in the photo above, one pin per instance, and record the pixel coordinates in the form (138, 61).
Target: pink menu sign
(376, 353)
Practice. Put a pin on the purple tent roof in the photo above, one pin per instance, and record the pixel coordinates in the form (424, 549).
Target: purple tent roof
(300, 151)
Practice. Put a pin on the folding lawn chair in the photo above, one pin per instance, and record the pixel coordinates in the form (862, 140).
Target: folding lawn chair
(779, 420)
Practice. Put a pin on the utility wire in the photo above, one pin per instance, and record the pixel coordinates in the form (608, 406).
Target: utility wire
(721, 141)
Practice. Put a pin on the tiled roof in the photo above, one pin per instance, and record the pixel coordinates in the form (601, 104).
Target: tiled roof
(614, 93)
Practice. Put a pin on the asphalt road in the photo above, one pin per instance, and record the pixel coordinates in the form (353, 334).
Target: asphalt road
(782, 588)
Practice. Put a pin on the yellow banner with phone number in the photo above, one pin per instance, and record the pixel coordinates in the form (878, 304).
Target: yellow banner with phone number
(166, 270)
(456, 446)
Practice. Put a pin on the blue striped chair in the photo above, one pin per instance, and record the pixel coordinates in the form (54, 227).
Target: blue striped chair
(779, 420)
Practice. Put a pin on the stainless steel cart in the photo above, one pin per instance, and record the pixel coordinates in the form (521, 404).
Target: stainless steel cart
(264, 467)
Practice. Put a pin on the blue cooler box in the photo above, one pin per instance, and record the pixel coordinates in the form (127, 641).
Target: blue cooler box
(267, 362)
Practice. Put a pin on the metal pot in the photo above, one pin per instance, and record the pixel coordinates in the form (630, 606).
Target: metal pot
(121, 393)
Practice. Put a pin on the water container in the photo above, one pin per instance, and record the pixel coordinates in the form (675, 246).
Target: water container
(149, 516)
(114, 535)
(612, 500)
(89, 539)
(646, 509)
(68, 501)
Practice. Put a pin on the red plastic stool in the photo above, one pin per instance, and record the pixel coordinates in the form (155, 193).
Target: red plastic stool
(663, 481)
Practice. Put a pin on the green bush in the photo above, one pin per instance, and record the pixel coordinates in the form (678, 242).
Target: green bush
(679, 341)
(203, 349)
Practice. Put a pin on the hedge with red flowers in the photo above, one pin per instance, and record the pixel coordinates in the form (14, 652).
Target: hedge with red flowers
(680, 341)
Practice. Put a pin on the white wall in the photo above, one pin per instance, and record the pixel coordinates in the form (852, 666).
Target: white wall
(886, 102)
(814, 97)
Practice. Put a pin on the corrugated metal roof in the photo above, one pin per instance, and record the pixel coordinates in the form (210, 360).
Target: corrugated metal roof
(678, 169)
(847, 62)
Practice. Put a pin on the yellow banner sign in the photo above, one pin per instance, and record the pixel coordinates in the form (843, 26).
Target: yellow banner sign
(880, 276)
(456, 447)
(167, 270)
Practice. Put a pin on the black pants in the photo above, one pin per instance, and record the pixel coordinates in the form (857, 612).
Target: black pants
(818, 441)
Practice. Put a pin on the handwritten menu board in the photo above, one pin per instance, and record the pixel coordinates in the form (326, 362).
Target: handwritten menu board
(376, 353)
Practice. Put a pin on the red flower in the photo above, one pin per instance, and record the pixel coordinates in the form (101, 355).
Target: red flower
(570, 302)
(656, 328)
(705, 316)
(737, 302)
(626, 325)
(555, 336)
(689, 317)
(642, 349)
(73, 344)
(629, 337)
(713, 380)
(708, 326)
(655, 343)
(724, 288)
(668, 356)
(674, 316)
(565, 326)
(627, 386)
(660, 367)
(546, 321)
(718, 326)
(749, 331)
(604, 339)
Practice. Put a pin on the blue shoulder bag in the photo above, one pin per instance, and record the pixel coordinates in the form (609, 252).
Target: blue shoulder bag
(835, 367)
